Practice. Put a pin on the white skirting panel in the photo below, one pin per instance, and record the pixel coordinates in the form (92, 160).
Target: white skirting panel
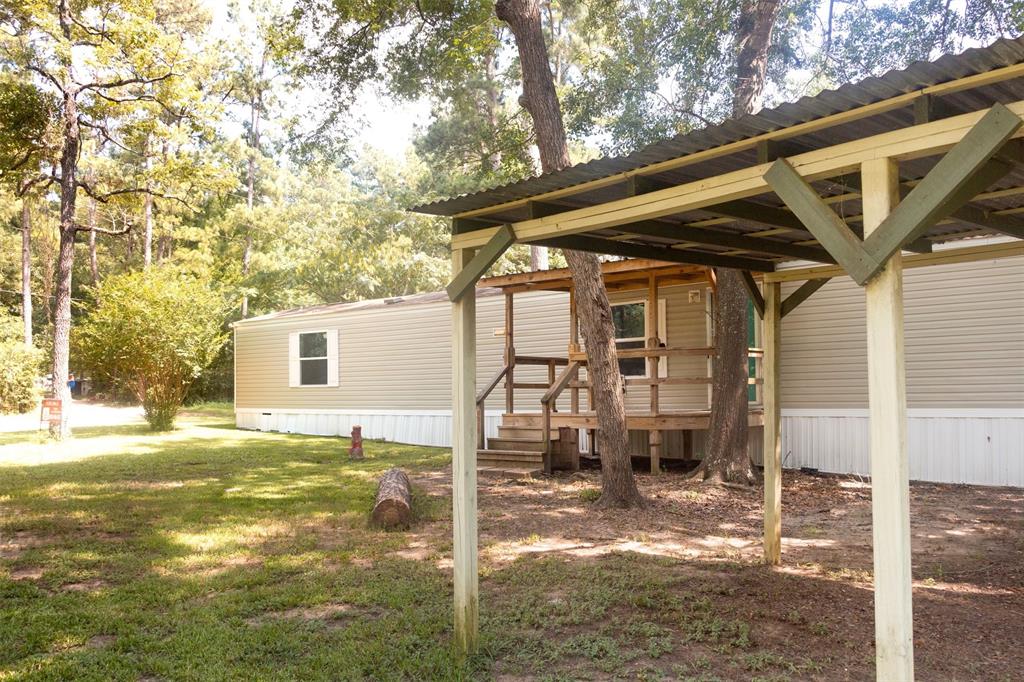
(983, 447)
(416, 427)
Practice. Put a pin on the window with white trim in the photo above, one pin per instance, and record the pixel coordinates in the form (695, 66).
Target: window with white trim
(631, 331)
(313, 358)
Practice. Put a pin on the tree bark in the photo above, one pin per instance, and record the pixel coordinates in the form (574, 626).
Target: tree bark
(26, 268)
(540, 99)
(94, 262)
(147, 213)
(393, 505)
(72, 141)
(753, 38)
(727, 458)
(255, 111)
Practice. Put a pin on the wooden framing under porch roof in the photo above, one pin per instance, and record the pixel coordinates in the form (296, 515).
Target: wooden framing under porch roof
(848, 181)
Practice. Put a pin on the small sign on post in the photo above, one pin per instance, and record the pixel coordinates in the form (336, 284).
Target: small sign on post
(51, 412)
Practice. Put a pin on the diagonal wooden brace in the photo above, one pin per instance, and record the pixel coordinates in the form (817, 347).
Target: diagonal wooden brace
(753, 292)
(967, 169)
(484, 259)
(820, 220)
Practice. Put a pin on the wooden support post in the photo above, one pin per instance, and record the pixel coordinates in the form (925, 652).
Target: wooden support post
(574, 347)
(464, 441)
(890, 489)
(510, 354)
(772, 450)
(653, 362)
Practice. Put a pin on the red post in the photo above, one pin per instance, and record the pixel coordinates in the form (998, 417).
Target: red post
(356, 451)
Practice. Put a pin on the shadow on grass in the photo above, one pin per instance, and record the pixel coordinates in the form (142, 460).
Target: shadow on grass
(247, 555)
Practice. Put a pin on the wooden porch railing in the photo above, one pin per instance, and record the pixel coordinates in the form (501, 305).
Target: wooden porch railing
(569, 378)
(550, 398)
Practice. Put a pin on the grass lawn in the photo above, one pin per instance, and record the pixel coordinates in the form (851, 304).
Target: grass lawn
(212, 553)
(127, 555)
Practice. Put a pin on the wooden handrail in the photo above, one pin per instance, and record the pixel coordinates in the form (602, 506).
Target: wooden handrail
(561, 383)
(550, 397)
(491, 385)
(663, 351)
(540, 360)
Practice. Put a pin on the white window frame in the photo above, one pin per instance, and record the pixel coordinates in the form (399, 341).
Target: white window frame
(295, 359)
(662, 335)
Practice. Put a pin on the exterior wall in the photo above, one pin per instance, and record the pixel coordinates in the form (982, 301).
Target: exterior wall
(396, 357)
(964, 340)
(965, 372)
(685, 326)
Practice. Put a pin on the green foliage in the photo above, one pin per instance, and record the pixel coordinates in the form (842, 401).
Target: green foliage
(153, 333)
(19, 369)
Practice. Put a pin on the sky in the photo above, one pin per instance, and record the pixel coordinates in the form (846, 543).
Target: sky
(389, 126)
(384, 124)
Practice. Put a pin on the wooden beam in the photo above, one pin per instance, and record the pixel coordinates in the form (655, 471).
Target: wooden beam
(891, 104)
(653, 228)
(739, 209)
(467, 277)
(1007, 224)
(802, 293)
(967, 169)
(905, 143)
(930, 108)
(966, 254)
(464, 442)
(630, 250)
(653, 342)
(772, 447)
(754, 293)
(887, 401)
(821, 221)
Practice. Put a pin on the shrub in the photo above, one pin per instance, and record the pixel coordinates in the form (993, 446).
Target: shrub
(19, 369)
(152, 333)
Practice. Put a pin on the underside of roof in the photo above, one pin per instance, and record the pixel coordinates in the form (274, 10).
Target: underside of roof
(758, 231)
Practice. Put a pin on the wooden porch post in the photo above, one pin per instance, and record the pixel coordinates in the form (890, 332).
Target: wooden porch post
(890, 490)
(772, 449)
(510, 354)
(464, 441)
(574, 347)
(653, 341)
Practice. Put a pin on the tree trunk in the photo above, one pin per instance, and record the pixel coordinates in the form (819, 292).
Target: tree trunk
(255, 109)
(393, 505)
(66, 250)
(147, 212)
(147, 239)
(727, 458)
(618, 487)
(26, 268)
(94, 262)
(753, 38)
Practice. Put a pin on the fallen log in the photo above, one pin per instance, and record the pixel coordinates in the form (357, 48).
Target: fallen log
(393, 506)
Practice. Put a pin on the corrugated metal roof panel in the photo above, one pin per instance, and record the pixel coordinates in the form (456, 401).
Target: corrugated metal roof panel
(850, 96)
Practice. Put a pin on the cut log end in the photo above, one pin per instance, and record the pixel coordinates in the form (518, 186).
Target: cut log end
(393, 506)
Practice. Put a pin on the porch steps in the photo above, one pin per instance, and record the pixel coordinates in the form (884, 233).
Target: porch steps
(510, 459)
(520, 446)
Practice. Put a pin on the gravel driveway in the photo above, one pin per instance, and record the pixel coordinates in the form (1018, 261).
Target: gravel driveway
(82, 413)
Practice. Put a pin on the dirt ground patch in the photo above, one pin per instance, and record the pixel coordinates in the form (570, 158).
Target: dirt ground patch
(815, 612)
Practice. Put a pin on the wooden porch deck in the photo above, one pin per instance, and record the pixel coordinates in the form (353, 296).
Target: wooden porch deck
(676, 420)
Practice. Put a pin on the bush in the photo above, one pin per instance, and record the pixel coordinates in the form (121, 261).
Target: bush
(19, 369)
(153, 333)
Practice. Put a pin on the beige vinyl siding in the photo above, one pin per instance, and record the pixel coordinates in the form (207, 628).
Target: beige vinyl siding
(686, 326)
(393, 357)
(964, 327)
